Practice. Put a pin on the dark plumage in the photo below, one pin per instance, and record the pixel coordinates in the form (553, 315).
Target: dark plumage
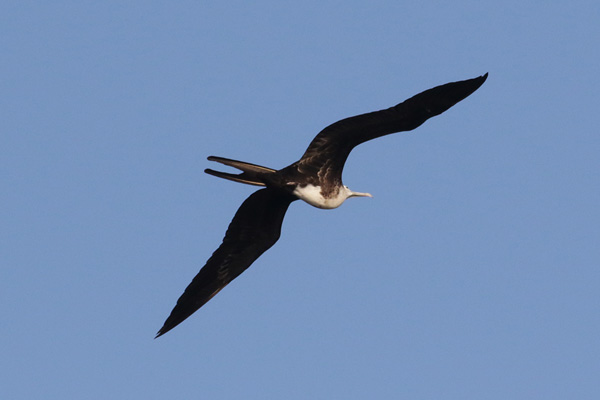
(316, 178)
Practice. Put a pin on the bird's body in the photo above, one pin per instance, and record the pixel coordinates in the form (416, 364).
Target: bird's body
(313, 195)
(316, 179)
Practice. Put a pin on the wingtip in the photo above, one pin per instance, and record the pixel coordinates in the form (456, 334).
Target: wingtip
(161, 332)
(167, 326)
(480, 80)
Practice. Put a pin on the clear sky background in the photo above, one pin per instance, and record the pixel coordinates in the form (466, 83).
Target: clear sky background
(473, 273)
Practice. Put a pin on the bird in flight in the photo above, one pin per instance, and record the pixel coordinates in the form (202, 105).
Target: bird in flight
(316, 178)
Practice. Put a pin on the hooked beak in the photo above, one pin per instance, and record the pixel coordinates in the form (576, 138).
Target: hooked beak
(359, 194)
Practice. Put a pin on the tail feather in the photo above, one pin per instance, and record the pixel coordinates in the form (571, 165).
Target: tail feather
(241, 165)
(242, 178)
(251, 173)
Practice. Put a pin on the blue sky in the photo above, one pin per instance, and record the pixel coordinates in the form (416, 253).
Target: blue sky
(473, 272)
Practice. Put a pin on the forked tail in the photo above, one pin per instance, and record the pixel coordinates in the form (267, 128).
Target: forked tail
(251, 173)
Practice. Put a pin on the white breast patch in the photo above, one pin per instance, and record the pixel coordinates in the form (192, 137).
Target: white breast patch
(312, 195)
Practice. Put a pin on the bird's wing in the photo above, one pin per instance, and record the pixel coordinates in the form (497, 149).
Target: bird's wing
(255, 227)
(331, 147)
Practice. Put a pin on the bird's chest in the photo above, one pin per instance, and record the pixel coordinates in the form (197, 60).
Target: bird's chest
(314, 196)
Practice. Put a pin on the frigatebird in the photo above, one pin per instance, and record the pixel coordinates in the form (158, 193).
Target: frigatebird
(316, 178)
